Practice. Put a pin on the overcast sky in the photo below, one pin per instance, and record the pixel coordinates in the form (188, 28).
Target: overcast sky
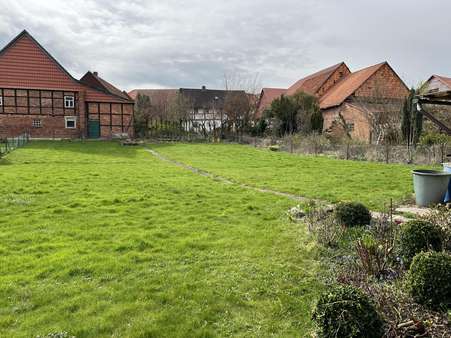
(170, 43)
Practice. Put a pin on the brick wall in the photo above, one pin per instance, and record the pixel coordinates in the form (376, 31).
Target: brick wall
(40, 112)
(329, 116)
(357, 115)
(338, 75)
(354, 117)
(51, 126)
(115, 118)
(384, 83)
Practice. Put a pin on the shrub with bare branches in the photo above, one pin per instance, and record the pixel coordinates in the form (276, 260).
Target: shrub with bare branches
(323, 224)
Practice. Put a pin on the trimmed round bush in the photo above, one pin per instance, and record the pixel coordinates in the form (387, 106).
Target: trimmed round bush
(352, 213)
(417, 236)
(345, 311)
(429, 279)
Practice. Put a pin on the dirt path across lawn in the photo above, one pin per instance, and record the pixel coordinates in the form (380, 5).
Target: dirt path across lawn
(225, 180)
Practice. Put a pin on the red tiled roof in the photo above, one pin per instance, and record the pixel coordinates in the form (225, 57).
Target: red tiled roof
(266, 97)
(152, 92)
(95, 81)
(156, 95)
(312, 83)
(24, 63)
(342, 90)
(445, 80)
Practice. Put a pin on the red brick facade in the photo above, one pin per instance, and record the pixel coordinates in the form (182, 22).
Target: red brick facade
(354, 116)
(378, 89)
(114, 118)
(383, 83)
(39, 96)
(340, 73)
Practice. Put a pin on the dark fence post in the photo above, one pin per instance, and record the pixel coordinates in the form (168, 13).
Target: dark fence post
(387, 153)
(9, 144)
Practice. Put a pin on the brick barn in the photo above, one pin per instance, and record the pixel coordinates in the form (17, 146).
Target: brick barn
(355, 101)
(366, 101)
(317, 84)
(38, 95)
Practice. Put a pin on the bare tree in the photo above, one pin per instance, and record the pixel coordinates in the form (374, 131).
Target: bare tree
(383, 112)
(142, 115)
(181, 108)
(240, 101)
(161, 104)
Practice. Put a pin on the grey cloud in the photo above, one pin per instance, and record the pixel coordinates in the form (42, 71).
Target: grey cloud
(192, 43)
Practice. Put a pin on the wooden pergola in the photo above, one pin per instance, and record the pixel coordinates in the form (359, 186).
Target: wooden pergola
(439, 98)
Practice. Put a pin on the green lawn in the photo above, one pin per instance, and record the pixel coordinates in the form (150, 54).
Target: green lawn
(101, 240)
(315, 177)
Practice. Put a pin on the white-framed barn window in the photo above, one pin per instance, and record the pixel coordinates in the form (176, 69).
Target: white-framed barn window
(69, 101)
(1, 100)
(36, 123)
(70, 122)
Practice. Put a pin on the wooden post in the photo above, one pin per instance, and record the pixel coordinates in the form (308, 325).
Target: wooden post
(387, 149)
(391, 211)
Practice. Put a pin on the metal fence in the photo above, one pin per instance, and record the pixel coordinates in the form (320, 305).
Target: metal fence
(421, 154)
(8, 144)
(186, 131)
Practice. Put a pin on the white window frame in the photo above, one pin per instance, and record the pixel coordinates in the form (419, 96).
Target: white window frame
(69, 101)
(1, 100)
(70, 118)
(36, 123)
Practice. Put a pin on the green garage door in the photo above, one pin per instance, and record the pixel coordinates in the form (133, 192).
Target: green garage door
(93, 128)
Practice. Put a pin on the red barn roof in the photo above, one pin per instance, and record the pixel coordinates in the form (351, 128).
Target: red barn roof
(156, 94)
(445, 80)
(313, 83)
(24, 63)
(95, 81)
(340, 92)
(266, 97)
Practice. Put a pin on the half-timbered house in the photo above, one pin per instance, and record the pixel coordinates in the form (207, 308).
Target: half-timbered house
(39, 96)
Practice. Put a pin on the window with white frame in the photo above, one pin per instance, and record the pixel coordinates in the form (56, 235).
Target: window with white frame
(1, 100)
(36, 123)
(71, 122)
(69, 101)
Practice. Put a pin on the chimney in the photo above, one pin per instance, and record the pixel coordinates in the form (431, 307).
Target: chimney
(95, 73)
(203, 87)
